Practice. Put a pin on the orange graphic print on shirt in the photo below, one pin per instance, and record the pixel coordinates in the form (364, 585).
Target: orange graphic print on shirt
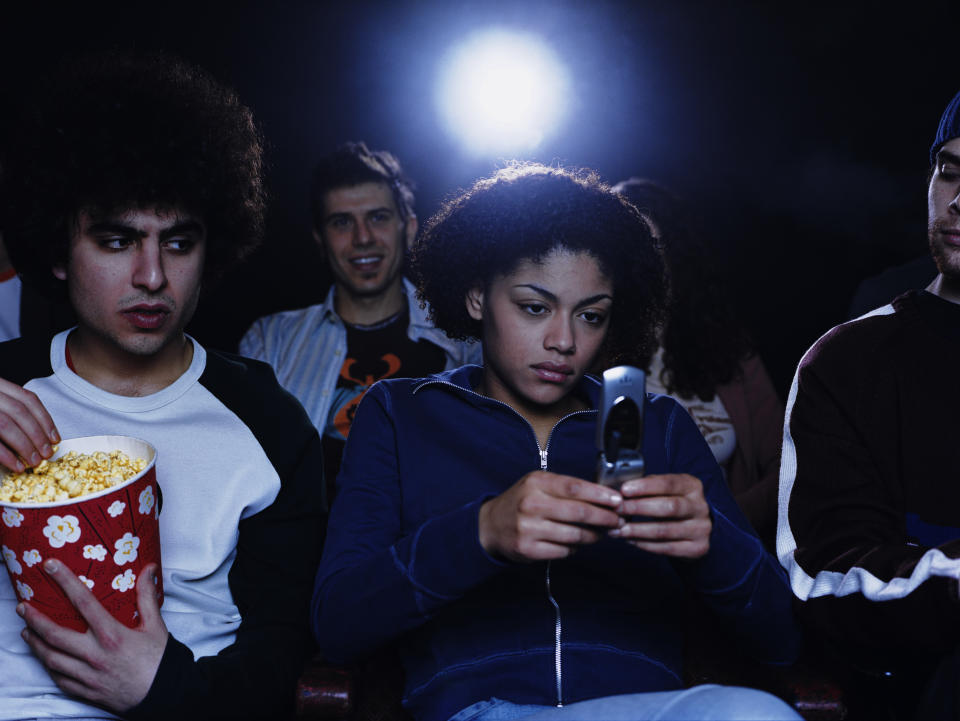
(345, 414)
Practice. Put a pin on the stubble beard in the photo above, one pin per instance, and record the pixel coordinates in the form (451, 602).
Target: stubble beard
(946, 258)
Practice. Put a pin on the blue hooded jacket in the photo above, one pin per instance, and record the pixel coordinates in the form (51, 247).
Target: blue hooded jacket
(403, 561)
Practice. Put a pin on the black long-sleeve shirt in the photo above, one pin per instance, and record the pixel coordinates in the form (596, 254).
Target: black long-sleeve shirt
(869, 526)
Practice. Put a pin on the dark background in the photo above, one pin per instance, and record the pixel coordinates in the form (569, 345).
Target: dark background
(798, 131)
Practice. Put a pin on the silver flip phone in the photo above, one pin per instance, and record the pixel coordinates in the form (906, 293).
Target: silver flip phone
(620, 426)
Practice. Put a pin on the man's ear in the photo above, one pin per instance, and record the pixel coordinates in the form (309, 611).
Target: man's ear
(474, 301)
(318, 239)
(410, 226)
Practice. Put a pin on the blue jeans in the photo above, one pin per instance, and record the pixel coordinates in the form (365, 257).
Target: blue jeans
(700, 703)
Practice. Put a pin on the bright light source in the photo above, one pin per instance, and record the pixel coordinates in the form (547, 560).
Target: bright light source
(501, 92)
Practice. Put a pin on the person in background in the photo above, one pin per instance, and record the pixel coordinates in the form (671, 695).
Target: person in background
(10, 286)
(704, 359)
(467, 529)
(370, 326)
(24, 310)
(135, 182)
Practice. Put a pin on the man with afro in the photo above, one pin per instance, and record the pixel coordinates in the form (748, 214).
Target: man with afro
(131, 185)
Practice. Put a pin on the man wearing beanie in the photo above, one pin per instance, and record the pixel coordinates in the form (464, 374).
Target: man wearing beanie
(869, 506)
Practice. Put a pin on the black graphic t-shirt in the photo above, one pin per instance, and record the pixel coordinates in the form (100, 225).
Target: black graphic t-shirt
(373, 353)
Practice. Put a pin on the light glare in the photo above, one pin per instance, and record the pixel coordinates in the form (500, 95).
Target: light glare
(502, 91)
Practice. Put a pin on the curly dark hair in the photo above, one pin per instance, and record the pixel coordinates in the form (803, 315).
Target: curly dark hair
(353, 163)
(523, 212)
(112, 131)
(703, 343)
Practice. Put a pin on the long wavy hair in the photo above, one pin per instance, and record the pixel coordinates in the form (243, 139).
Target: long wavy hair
(703, 342)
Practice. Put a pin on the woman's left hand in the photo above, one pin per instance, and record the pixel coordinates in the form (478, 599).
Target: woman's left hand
(676, 518)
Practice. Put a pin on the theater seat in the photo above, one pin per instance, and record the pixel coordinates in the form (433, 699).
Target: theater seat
(371, 691)
(325, 692)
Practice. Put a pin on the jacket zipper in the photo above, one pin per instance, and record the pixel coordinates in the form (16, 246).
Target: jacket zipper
(558, 626)
(558, 629)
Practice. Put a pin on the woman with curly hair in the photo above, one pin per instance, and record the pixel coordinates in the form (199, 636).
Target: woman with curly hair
(466, 529)
(705, 360)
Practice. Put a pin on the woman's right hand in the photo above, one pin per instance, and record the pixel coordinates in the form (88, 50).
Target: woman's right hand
(27, 431)
(546, 515)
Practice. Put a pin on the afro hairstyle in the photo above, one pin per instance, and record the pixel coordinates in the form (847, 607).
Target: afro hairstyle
(113, 131)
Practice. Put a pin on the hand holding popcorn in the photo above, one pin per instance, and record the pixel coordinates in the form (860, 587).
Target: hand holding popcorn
(109, 664)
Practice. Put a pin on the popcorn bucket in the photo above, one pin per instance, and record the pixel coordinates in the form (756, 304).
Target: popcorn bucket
(105, 538)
